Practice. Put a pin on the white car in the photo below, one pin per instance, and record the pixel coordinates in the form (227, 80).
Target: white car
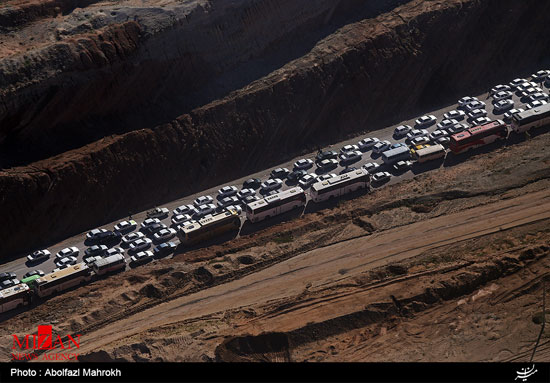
(326, 165)
(149, 222)
(540, 75)
(307, 180)
(500, 88)
(477, 113)
(325, 177)
(142, 257)
(443, 141)
(347, 169)
(113, 251)
(181, 218)
(354, 155)
(427, 120)
(95, 250)
(279, 173)
(420, 140)
(475, 105)
(164, 234)
(39, 256)
(416, 133)
(158, 212)
(480, 121)
(380, 147)
(68, 252)
(465, 101)
(535, 104)
(517, 82)
(455, 115)
(92, 259)
(228, 201)
(508, 115)
(226, 191)
(303, 164)
(349, 148)
(370, 167)
(126, 226)
(207, 208)
(250, 199)
(446, 123)
(203, 200)
(245, 193)
(381, 176)
(186, 223)
(457, 128)
(271, 184)
(185, 209)
(437, 134)
(95, 233)
(504, 104)
(402, 165)
(140, 244)
(132, 237)
(367, 143)
(502, 95)
(402, 130)
(65, 261)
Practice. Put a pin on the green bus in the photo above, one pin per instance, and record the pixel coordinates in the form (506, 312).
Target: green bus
(30, 281)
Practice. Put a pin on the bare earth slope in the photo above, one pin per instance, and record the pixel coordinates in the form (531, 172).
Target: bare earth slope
(450, 263)
(117, 91)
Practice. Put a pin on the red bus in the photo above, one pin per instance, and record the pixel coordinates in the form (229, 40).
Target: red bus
(478, 136)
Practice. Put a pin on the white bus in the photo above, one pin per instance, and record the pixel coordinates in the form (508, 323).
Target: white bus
(532, 118)
(209, 226)
(62, 279)
(339, 185)
(430, 153)
(275, 204)
(13, 297)
(392, 156)
(111, 263)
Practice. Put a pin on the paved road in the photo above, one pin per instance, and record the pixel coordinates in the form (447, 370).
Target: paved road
(20, 267)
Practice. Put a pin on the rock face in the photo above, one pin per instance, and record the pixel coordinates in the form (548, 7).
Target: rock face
(240, 109)
(108, 70)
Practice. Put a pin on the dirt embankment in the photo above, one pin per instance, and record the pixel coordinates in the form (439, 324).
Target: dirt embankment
(357, 77)
(323, 285)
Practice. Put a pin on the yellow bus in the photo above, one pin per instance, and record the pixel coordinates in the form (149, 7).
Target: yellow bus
(209, 227)
(63, 279)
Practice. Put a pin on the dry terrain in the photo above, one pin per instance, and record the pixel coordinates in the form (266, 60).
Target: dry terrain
(111, 107)
(448, 266)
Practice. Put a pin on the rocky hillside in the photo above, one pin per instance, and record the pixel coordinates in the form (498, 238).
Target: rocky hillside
(106, 95)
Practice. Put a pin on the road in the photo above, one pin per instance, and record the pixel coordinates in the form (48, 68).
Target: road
(20, 267)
